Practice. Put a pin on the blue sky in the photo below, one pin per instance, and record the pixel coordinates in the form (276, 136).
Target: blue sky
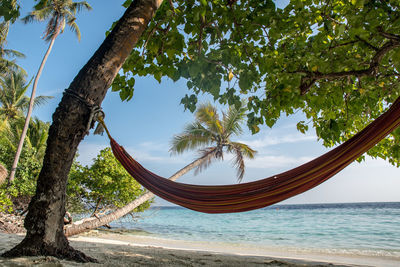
(146, 124)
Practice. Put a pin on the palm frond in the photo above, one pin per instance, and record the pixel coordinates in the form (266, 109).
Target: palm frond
(233, 119)
(197, 129)
(182, 143)
(38, 14)
(29, 18)
(238, 162)
(74, 28)
(4, 125)
(41, 100)
(79, 6)
(37, 136)
(194, 136)
(247, 151)
(11, 53)
(208, 115)
(209, 155)
(7, 67)
(13, 99)
(240, 151)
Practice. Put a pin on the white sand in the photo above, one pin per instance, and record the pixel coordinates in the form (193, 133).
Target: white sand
(130, 250)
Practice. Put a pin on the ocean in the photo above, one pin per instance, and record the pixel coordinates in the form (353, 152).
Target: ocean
(364, 229)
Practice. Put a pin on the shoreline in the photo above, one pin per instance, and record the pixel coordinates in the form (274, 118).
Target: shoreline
(113, 249)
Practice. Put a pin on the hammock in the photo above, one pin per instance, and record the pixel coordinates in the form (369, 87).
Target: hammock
(268, 191)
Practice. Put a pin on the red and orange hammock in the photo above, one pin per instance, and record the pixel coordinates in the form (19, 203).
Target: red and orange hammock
(265, 192)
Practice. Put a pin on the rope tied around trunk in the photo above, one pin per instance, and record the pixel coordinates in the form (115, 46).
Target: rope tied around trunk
(95, 112)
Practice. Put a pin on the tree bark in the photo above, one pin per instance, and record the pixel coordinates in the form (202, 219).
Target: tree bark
(28, 115)
(92, 223)
(44, 221)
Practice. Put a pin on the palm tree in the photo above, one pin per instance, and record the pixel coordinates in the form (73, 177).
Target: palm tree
(37, 137)
(58, 13)
(13, 101)
(6, 66)
(206, 130)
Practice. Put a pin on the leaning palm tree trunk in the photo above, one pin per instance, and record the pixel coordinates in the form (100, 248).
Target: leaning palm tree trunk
(28, 115)
(94, 222)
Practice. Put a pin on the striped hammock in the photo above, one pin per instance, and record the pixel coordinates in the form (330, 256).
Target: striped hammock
(265, 192)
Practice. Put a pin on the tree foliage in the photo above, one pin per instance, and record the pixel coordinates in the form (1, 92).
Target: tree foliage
(14, 102)
(7, 56)
(335, 61)
(9, 10)
(102, 186)
(23, 187)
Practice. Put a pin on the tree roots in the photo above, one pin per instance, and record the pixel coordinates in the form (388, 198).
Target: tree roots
(67, 253)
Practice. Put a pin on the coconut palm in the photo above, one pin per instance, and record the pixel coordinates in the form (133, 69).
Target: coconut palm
(58, 13)
(13, 101)
(208, 129)
(37, 137)
(7, 65)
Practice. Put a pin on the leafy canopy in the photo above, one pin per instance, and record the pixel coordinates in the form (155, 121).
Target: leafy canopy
(335, 61)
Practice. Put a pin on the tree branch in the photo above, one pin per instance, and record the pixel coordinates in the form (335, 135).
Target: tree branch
(311, 77)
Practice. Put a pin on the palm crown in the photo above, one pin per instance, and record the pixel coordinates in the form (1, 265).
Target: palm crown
(13, 101)
(59, 13)
(212, 135)
(7, 65)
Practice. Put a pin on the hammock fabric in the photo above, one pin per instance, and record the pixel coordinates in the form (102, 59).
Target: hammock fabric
(265, 192)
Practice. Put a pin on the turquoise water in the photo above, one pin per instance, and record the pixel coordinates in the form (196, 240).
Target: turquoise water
(356, 228)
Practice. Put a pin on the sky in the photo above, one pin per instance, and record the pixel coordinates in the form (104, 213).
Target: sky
(146, 124)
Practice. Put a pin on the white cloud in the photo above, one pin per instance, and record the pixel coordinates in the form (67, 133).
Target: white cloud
(53, 92)
(146, 152)
(162, 157)
(271, 140)
(276, 161)
(152, 146)
(88, 151)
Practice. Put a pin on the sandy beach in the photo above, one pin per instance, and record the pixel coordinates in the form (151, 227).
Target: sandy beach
(113, 249)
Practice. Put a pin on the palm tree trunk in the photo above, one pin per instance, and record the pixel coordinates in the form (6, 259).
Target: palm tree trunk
(91, 223)
(45, 219)
(28, 115)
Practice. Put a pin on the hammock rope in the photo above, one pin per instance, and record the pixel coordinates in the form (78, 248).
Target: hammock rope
(264, 192)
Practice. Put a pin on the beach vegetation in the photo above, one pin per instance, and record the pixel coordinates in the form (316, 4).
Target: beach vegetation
(13, 101)
(58, 13)
(7, 55)
(19, 192)
(68, 128)
(13, 105)
(101, 187)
